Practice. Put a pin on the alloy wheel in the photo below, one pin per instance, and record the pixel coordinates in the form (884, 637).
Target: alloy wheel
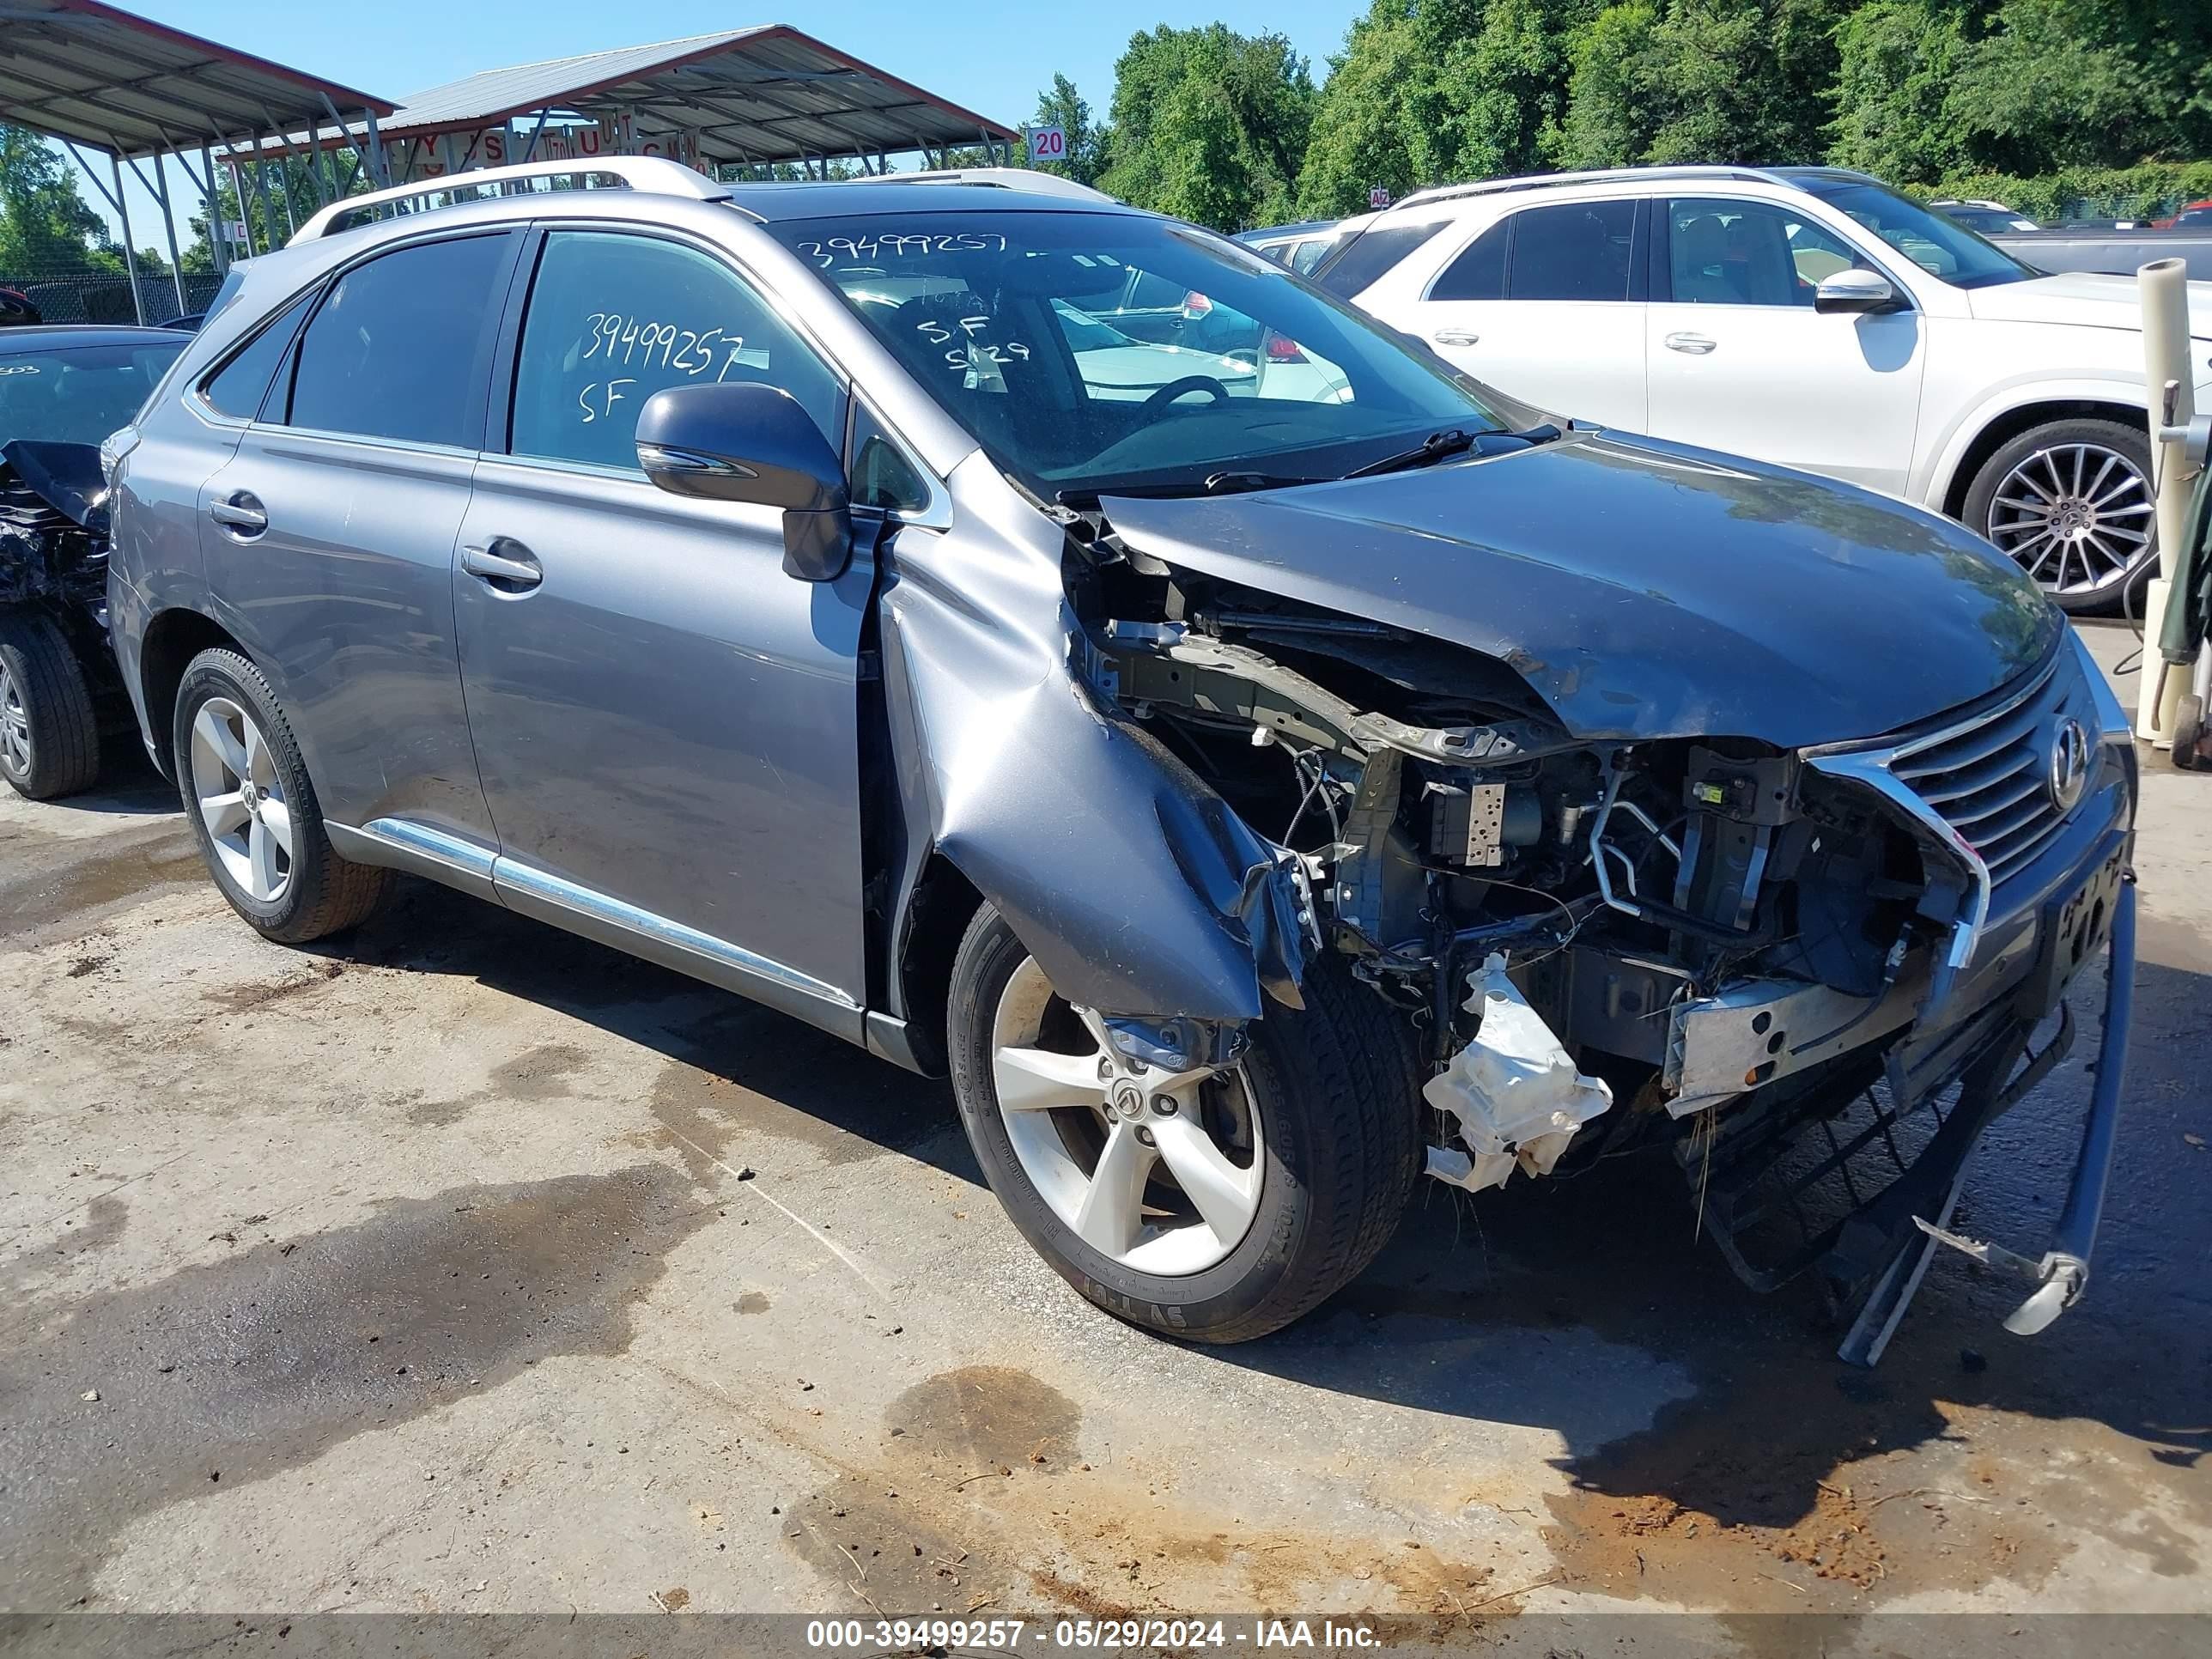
(2077, 517)
(1160, 1171)
(14, 725)
(241, 800)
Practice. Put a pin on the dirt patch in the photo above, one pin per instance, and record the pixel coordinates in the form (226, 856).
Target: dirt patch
(988, 1417)
(982, 1497)
(38, 890)
(101, 1224)
(1726, 1503)
(251, 999)
(742, 1071)
(87, 964)
(752, 1302)
(538, 1074)
(260, 1361)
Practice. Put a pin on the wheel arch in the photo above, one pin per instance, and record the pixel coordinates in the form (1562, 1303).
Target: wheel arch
(2001, 426)
(174, 637)
(925, 937)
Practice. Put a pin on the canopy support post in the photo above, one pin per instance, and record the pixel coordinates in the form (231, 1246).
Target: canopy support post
(158, 188)
(130, 254)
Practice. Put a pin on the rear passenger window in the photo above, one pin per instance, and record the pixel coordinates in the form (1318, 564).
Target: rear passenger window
(1576, 251)
(614, 318)
(1362, 258)
(238, 389)
(399, 348)
(1479, 273)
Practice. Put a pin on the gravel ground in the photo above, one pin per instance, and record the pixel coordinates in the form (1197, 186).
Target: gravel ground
(461, 1266)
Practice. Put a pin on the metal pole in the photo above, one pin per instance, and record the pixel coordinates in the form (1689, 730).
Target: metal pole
(2165, 288)
(169, 224)
(379, 166)
(218, 244)
(130, 256)
(158, 188)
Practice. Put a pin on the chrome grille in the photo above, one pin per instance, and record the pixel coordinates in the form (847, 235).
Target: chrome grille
(1989, 780)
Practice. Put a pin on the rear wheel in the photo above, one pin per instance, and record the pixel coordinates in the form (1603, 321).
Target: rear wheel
(2071, 503)
(49, 738)
(252, 809)
(1212, 1205)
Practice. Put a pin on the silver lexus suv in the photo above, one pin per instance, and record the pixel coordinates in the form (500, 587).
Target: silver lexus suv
(1043, 641)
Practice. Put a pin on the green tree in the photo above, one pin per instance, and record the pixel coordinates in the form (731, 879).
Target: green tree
(1609, 121)
(1368, 129)
(1895, 61)
(1063, 107)
(1429, 91)
(45, 228)
(1245, 101)
(1750, 81)
(2053, 84)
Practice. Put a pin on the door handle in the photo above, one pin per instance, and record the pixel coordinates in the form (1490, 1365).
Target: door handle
(1696, 344)
(1455, 337)
(505, 563)
(241, 514)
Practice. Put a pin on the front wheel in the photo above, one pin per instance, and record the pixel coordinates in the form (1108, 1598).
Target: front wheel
(49, 738)
(1217, 1206)
(2071, 503)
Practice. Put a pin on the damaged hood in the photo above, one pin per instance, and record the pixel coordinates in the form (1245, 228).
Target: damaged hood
(66, 476)
(1643, 589)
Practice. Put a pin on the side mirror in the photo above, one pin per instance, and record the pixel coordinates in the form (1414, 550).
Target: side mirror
(747, 442)
(1859, 291)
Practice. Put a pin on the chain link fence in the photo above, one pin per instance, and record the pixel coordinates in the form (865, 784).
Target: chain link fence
(96, 297)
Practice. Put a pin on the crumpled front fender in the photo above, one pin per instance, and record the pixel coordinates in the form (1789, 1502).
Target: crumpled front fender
(1137, 888)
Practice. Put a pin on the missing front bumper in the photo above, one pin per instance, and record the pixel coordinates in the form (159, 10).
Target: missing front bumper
(1853, 1167)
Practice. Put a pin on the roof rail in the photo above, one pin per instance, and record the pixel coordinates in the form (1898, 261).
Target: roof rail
(1602, 176)
(653, 174)
(1040, 184)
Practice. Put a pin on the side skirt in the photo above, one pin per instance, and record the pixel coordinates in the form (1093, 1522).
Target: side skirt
(478, 870)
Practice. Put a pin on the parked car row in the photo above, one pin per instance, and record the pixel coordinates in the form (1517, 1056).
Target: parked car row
(62, 391)
(1262, 764)
(1807, 316)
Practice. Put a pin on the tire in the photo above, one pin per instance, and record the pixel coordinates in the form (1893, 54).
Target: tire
(2189, 733)
(2088, 571)
(310, 892)
(49, 738)
(1330, 1097)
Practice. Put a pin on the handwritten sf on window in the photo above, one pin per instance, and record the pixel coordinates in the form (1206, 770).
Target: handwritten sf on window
(965, 354)
(613, 337)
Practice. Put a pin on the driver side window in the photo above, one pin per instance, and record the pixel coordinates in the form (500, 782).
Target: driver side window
(615, 318)
(1749, 253)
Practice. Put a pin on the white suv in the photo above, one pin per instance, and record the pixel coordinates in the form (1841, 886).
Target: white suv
(1803, 315)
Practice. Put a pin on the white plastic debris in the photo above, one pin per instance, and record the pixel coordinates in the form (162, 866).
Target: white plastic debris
(1514, 1091)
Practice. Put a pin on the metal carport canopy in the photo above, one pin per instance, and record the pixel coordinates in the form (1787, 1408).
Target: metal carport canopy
(86, 72)
(750, 96)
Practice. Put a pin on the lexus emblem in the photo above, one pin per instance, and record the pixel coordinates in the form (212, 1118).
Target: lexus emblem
(2069, 764)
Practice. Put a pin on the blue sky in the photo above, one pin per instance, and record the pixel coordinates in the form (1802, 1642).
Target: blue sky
(992, 55)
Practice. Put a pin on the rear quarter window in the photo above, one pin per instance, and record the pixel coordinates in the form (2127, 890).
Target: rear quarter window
(1362, 261)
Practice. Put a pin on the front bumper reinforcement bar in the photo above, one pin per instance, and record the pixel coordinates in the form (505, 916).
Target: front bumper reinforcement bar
(2062, 1273)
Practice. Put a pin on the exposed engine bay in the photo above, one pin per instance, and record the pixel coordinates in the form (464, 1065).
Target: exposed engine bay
(1596, 943)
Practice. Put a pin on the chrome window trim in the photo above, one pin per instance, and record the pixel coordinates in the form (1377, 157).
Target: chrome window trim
(936, 513)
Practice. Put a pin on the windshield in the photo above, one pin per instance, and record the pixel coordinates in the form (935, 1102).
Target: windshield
(1938, 245)
(1091, 351)
(78, 394)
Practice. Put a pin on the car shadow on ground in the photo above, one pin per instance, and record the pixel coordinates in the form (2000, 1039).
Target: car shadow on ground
(1588, 1306)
